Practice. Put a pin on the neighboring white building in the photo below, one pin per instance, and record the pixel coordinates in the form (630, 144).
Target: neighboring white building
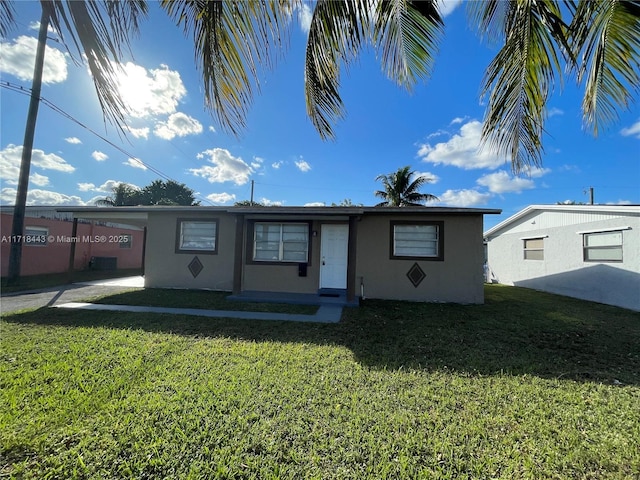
(590, 252)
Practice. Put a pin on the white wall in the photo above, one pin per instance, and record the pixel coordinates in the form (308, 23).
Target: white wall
(563, 270)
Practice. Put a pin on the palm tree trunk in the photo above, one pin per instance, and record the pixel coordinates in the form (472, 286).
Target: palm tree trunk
(17, 229)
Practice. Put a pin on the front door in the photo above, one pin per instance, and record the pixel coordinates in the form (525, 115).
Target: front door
(334, 242)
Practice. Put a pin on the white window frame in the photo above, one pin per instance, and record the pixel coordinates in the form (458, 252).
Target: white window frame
(434, 244)
(531, 249)
(37, 235)
(281, 242)
(609, 247)
(181, 246)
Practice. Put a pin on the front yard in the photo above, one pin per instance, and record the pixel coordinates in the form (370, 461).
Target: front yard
(530, 385)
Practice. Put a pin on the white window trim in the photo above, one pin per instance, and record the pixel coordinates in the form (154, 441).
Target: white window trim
(525, 249)
(604, 230)
(534, 237)
(281, 243)
(585, 248)
(179, 236)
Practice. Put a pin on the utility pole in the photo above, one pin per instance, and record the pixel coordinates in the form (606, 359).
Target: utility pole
(17, 227)
(252, 183)
(590, 195)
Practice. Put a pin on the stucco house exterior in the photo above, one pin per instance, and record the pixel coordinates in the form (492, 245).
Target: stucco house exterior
(48, 244)
(432, 254)
(590, 252)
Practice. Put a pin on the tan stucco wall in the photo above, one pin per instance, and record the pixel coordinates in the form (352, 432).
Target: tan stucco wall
(459, 278)
(164, 268)
(284, 278)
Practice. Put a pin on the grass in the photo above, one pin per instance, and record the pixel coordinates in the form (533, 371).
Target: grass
(34, 282)
(208, 300)
(530, 385)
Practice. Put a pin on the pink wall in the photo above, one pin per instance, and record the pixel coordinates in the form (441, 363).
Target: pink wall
(93, 241)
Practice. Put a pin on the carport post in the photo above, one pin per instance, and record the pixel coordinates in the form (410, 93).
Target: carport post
(72, 250)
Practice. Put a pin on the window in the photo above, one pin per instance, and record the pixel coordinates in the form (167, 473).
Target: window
(125, 240)
(422, 240)
(197, 236)
(281, 242)
(35, 236)
(602, 246)
(534, 248)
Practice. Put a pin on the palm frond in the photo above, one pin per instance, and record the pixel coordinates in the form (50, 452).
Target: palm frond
(521, 77)
(100, 31)
(606, 36)
(407, 34)
(336, 35)
(401, 191)
(231, 40)
(7, 18)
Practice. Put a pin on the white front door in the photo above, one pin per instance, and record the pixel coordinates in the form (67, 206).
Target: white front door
(334, 244)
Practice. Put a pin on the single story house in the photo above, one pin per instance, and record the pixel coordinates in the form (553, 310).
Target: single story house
(590, 252)
(48, 242)
(431, 254)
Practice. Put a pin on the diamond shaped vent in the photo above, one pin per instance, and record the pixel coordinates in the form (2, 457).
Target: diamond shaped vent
(416, 275)
(195, 267)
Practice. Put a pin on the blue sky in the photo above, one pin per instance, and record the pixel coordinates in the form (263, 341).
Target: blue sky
(434, 129)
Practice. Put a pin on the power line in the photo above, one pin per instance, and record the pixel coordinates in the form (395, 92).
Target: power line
(27, 91)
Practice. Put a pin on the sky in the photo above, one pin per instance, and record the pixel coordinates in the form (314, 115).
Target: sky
(434, 129)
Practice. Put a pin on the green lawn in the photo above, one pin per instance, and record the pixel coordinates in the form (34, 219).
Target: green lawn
(529, 385)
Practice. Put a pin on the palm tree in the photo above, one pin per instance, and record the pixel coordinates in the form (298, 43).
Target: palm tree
(401, 191)
(122, 195)
(99, 31)
(601, 42)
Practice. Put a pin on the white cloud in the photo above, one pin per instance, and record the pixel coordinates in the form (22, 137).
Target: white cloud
(553, 112)
(303, 165)
(314, 204)
(226, 167)
(73, 140)
(434, 178)
(457, 120)
(221, 197)
(106, 187)
(212, 129)
(462, 150)
(86, 187)
(620, 202)
(446, 7)
(304, 16)
(135, 163)
(40, 197)
(271, 203)
(11, 157)
(39, 180)
(36, 26)
(139, 132)
(98, 156)
(150, 92)
(177, 125)
(502, 182)
(277, 165)
(19, 56)
(464, 198)
(632, 131)
(536, 172)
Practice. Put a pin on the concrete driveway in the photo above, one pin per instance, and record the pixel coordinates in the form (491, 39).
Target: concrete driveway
(48, 297)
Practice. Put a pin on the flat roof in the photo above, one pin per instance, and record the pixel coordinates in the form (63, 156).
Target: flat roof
(282, 210)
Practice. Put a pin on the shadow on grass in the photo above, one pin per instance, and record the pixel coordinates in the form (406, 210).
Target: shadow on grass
(518, 331)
